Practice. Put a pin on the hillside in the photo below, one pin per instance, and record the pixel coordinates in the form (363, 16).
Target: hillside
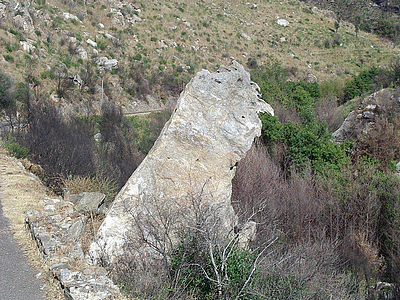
(69, 50)
(323, 207)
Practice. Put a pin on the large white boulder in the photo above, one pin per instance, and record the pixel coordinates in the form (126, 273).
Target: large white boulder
(211, 129)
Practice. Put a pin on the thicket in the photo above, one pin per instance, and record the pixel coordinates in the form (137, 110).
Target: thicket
(327, 215)
(319, 191)
(65, 148)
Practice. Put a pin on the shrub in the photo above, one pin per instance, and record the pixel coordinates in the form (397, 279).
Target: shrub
(332, 88)
(6, 91)
(193, 264)
(386, 28)
(307, 142)
(252, 63)
(79, 184)
(360, 83)
(8, 58)
(16, 150)
(272, 79)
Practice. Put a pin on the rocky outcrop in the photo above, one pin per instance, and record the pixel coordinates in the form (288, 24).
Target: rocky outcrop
(211, 129)
(359, 122)
(57, 230)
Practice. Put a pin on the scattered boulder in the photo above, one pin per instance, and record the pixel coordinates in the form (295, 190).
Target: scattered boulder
(90, 202)
(25, 23)
(98, 137)
(68, 16)
(282, 22)
(81, 52)
(111, 64)
(115, 40)
(381, 290)
(106, 63)
(312, 78)
(245, 36)
(91, 43)
(213, 126)
(27, 45)
(3, 10)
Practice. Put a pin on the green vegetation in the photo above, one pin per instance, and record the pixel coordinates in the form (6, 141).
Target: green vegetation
(16, 150)
(308, 142)
(334, 208)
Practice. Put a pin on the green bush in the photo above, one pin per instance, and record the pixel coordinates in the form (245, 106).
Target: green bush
(307, 143)
(16, 150)
(8, 58)
(360, 83)
(332, 88)
(275, 87)
(191, 264)
(386, 28)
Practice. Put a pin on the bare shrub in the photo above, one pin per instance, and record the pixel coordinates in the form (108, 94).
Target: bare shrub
(382, 142)
(287, 114)
(289, 205)
(60, 147)
(305, 271)
(326, 110)
(134, 81)
(117, 155)
(191, 250)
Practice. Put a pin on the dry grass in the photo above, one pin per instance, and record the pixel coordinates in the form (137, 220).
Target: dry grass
(80, 184)
(213, 37)
(89, 231)
(21, 192)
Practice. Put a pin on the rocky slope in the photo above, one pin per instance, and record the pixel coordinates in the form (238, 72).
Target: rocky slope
(79, 52)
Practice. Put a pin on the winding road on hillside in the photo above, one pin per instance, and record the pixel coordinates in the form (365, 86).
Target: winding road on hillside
(17, 279)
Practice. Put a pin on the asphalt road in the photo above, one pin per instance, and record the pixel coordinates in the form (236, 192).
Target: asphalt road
(17, 278)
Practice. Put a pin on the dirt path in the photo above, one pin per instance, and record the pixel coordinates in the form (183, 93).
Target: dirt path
(20, 192)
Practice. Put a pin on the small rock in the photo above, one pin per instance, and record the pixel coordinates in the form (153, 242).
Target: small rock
(111, 64)
(368, 115)
(90, 202)
(91, 43)
(68, 16)
(98, 137)
(75, 231)
(81, 52)
(245, 36)
(312, 78)
(282, 22)
(27, 46)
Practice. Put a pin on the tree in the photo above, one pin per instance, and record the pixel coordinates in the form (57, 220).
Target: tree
(357, 23)
(7, 97)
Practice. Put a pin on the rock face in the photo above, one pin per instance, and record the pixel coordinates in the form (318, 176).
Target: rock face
(359, 122)
(57, 231)
(212, 128)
